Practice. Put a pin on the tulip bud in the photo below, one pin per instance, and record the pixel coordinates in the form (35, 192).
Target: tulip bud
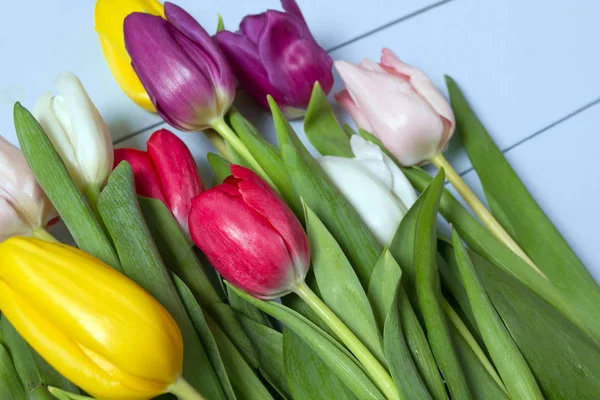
(399, 105)
(374, 185)
(250, 235)
(95, 326)
(77, 131)
(109, 16)
(24, 207)
(185, 74)
(275, 54)
(166, 172)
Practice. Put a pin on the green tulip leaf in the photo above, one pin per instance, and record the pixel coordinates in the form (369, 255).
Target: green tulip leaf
(515, 208)
(429, 291)
(10, 383)
(382, 286)
(339, 286)
(334, 355)
(246, 309)
(141, 261)
(269, 351)
(402, 367)
(312, 185)
(308, 376)
(220, 167)
(267, 156)
(53, 177)
(322, 128)
(516, 375)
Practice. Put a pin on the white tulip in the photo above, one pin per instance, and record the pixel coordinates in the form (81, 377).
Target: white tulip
(374, 185)
(24, 207)
(78, 132)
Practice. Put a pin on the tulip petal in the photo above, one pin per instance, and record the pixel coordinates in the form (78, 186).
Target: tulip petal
(405, 122)
(240, 243)
(292, 58)
(181, 93)
(252, 25)
(259, 196)
(10, 221)
(291, 7)
(345, 100)
(177, 172)
(147, 182)
(424, 86)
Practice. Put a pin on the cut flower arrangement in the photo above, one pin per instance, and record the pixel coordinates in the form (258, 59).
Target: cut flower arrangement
(354, 275)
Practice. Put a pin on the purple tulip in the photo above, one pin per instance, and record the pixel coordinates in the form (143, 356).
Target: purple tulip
(274, 53)
(184, 72)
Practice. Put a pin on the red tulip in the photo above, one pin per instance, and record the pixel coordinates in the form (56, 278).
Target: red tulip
(250, 235)
(167, 172)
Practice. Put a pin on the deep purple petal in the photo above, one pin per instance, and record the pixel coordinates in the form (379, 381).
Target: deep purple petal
(293, 59)
(243, 56)
(213, 60)
(291, 7)
(252, 26)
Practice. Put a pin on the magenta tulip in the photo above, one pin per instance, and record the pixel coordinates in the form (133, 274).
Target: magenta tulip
(275, 54)
(167, 172)
(184, 72)
(250, 235)
(399, 105)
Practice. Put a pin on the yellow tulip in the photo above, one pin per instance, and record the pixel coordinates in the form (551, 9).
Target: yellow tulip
(95, 326)
(109, 17)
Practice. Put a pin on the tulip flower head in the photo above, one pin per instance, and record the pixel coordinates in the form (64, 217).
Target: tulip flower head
(399, 105)
(167, 172)
(77, 131)
(24, 207)
(250, 235)
(275, 54)
(95, 326)
(374, 185)
(183, 71)
(109, 16)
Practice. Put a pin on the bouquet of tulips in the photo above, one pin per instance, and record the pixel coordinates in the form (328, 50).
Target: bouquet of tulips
(354, 275)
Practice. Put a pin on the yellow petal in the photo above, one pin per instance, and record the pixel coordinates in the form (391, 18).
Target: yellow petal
(109, 17)
(91, 312)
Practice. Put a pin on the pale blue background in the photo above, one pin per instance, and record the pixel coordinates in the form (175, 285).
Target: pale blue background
(530, 67)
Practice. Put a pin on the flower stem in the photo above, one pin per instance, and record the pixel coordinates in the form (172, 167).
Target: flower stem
(43, 234)
(233, 139)
(184, 391)
(481, 211)
(373, 368)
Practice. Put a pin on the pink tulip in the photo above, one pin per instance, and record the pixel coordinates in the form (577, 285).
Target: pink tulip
(399, 105)
(24, 206)
(250, 235)
(167, 172)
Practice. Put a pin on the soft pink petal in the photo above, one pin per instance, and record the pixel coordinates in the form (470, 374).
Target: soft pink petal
(345, 100)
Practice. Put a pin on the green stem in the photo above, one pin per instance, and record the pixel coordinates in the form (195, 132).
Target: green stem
(43, 234)
(233, 139)
(480, 210)
(184, 391)
(376, 371)
(462, 329)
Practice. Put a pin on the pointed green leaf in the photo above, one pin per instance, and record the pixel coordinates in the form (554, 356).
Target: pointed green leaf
(267, 156)
(269, 350)
(515, 208)
(311, 184)
(340, 288)
(140, 258)
(10, 383)
(65, 395)
(246, 309)
(429, 291)
(308, 376)
(337, 358)
(382, 286)
(51, 173)
(220, 23)
(205, 334)
(402, 367)
(220, 167)
(511, 364)
(322, 128)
